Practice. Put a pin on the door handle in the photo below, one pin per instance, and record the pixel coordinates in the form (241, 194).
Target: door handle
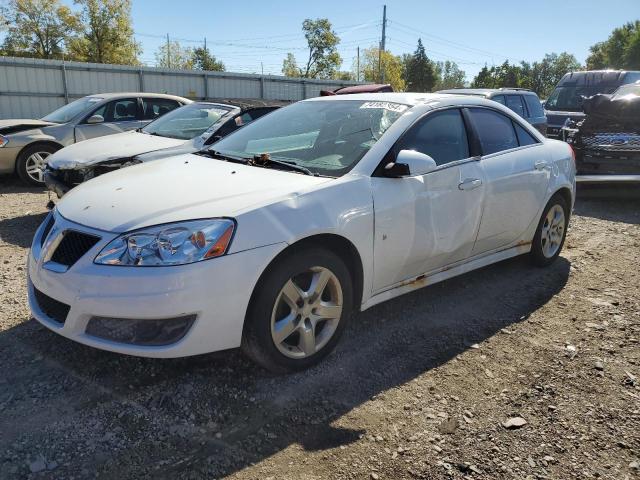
(470, 183)
(540, 165)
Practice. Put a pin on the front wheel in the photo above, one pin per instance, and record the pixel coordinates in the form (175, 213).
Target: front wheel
(298, 311)
(551, 233)
(31, 163)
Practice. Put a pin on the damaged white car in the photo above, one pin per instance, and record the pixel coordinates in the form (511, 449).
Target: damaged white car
(184, 130)
(276, 235)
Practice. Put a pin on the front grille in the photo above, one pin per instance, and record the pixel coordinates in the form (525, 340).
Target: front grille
(47, 229)
(52, 308)
(612, 141)
(73, 246)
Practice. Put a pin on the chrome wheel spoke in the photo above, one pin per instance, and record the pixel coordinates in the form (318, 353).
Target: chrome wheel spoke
(327, 311)
(285, 327)
(307, 342)
(292, 294)
(318, 284)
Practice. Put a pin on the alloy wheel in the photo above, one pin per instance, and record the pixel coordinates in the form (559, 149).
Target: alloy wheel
(35, 165)
(306, 313)
(552, 231)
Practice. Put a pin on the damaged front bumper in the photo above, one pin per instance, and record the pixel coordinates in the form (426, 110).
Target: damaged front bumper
(55, 182)
(60, 181)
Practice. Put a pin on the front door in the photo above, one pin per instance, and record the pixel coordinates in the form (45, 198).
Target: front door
(424, 223)
(119, 116)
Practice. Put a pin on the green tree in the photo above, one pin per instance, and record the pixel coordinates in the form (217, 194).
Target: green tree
(483, 79)
(323, 60)
(107, 35)
(202, 59)
(620, 51)
(37, 28)
(420, 73)
(347, 76)
(449, 75)
(391, 64)
(290, 66)
(174, 55)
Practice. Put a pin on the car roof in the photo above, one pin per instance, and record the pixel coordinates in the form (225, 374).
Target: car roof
(486, 91)
(113, 95)
(407, 98)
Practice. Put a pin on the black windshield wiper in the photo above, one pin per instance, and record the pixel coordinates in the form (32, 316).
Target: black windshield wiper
(290, 164)
(225, 157)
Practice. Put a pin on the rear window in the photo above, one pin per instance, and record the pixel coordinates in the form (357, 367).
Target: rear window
(495, 130)
(535, 108)
(514, 102)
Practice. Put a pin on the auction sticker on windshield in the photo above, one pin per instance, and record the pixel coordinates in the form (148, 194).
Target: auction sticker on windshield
(394, 107)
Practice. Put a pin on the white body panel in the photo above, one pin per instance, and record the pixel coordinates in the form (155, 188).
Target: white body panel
(111, 147)
(408, 232)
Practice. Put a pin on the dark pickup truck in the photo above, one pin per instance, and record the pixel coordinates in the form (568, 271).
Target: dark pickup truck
(565, 102)
(607, 140)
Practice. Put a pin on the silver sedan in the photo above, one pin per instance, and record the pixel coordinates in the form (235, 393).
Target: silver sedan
(25, 144)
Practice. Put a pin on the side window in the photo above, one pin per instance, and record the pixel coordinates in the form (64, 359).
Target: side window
(524, 137)
(156, 107)
(495, 131)
(499, 99)
(123, 110)
(534, 105)
(514, 102)
(442, 135)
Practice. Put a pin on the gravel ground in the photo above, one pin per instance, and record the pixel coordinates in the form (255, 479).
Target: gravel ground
(508, 372)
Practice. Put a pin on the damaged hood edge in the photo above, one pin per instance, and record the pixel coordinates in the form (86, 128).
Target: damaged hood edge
(11, 126)
(108, 148)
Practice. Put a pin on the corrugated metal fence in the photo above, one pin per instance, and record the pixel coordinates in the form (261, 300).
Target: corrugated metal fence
(31, 88)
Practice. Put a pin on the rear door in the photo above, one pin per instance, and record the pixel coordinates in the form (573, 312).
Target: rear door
(425, 222)
(153, 108)
(536, 116)
(119, 115)
(516, 169)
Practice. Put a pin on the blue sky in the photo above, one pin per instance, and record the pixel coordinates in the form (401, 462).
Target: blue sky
(247, 33)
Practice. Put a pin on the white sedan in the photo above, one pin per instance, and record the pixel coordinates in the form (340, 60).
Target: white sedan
(273, 237)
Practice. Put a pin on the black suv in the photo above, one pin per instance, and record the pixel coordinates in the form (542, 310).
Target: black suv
(565, 102)
(522, 101)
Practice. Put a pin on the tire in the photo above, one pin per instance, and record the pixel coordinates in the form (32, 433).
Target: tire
(549, 238)
(284, 339)
(26, 164)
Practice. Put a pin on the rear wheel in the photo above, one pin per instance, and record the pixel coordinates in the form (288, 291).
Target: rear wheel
(32, 161)
(551, 232)
(298, 311)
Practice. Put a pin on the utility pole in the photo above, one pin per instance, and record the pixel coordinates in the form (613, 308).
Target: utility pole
(358, 66)
(384, 39)
(168, 52)
(205, 44)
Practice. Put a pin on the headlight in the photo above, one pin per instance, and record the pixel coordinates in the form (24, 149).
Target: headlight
(170, 244)
(3, 141)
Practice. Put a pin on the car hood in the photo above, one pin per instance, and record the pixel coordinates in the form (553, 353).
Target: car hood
(109, 147)
(7, 127)
(178, 188)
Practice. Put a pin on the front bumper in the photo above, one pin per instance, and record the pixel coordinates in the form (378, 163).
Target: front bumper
(8, 157)
(608, 178)
(216, 291)
(55, 183)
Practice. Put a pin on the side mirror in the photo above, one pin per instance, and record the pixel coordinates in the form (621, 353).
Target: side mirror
(95, 119)
(410, 163)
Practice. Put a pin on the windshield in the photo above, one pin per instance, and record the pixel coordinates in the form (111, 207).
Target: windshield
(569, 98)
(68, 112)
(630, 89)
(325, 137)
(186, 122)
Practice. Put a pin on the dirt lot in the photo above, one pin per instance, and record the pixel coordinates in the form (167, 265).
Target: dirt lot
(419, 387)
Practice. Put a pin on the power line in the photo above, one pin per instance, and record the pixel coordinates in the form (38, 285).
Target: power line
(435, 38)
